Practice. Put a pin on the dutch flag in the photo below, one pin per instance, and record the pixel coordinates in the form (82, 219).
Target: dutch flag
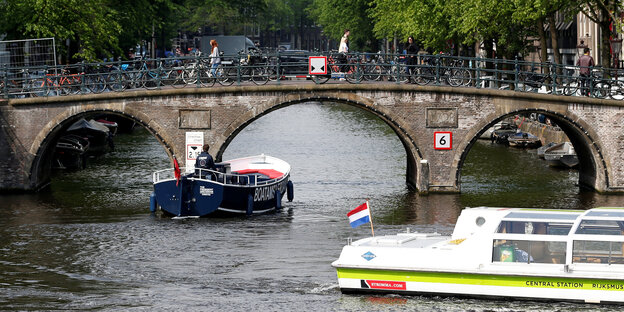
(359, 215)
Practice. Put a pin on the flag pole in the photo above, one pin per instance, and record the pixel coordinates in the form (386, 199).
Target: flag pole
(370, 215)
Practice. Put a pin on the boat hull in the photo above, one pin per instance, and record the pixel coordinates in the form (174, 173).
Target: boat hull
(201, 197)
(358, 280)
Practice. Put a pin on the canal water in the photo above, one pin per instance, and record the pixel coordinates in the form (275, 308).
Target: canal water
(90, 243)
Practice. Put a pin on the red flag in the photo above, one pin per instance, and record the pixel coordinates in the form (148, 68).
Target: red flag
(176, 170)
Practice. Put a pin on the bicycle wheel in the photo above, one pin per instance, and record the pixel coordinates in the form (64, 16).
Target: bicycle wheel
(321, 79)
(399, 73)
(617, 90)
(225, 75)
(571, 87)
(602, 89)
(453, 78)
(272, 73)
(175, 77)
(353, 74)
(73, 84)
(423, 76)
(96, 83)
(372, 72)
(246, 73)
(259, 75)
(150, 80)
(463, 75)
(205, 78)
(189, 74)
(116, 81)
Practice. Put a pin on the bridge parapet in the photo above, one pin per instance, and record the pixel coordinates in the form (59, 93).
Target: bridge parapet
(413, 112)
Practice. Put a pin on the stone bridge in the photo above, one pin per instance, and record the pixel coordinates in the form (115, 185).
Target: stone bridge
(29, 128)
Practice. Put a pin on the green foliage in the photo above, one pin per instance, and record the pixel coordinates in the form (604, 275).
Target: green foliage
(92, 23)
(103, 28)
(337, 15)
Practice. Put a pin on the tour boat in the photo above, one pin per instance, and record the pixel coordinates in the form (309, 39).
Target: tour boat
(543, 254)
(248, 185)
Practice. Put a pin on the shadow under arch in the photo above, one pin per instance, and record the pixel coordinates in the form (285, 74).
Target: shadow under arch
(41, 164)
(412, 151)
(592, 165)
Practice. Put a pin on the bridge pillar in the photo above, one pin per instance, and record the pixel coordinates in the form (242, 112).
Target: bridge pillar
(423, 179)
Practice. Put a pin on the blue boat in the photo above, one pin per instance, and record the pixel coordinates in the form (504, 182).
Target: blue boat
(249, 185)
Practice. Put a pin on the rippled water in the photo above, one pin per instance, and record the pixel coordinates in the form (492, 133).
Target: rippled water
(90, 242)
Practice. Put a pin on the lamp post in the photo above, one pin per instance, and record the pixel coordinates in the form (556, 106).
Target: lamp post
(616, 48)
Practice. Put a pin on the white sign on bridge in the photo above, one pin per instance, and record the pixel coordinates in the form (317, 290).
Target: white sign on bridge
(317, 65)
(194, 143)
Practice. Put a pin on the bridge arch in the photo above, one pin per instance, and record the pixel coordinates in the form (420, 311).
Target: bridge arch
(42, 148)
(593, 170)
(413, 153)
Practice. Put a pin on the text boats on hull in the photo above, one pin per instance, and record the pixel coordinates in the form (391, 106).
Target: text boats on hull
(248, 185)
(548, 254)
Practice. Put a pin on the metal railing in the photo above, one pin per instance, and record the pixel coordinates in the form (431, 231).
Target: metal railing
(217, 176)
(276, 68)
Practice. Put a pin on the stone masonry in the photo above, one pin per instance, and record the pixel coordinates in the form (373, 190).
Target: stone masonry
(30, 127)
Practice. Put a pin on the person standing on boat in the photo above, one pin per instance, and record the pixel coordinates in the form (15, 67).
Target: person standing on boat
(204, 160)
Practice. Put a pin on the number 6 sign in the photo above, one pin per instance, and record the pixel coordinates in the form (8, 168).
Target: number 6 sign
(443, 140)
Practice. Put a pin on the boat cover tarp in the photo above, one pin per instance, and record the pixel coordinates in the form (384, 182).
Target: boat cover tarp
(83, 124)
(272, 174)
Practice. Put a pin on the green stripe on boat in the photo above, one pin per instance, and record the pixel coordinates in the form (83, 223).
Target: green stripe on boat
(481, 279)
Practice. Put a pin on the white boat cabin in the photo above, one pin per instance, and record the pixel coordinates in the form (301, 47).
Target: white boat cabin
(548, 236)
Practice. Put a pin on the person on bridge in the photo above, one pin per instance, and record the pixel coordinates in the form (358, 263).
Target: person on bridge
(204, 161)
(215, 58)
(412, 50)
(343, 49)
(585, 62)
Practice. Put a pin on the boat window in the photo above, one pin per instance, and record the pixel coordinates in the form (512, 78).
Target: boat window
(606, 213)
(585, 251)
(528, 251)
(534, 215)
(529, 227)
(601, 227)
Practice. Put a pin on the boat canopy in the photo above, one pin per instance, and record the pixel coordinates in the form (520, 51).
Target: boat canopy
(549, 236)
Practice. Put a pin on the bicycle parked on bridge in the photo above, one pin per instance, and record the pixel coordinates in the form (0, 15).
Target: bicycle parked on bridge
(597, 86)
(70, 81)
(161, 75)
(442, 68)
(340, 66)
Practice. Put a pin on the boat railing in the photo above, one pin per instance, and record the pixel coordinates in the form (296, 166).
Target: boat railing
(213, 175)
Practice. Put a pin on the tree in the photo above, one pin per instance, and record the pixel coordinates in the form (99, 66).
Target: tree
(604, 13)
(337, 15)
(91, 23)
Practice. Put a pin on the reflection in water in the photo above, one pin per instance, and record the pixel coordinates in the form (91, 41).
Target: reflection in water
(90, 243)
